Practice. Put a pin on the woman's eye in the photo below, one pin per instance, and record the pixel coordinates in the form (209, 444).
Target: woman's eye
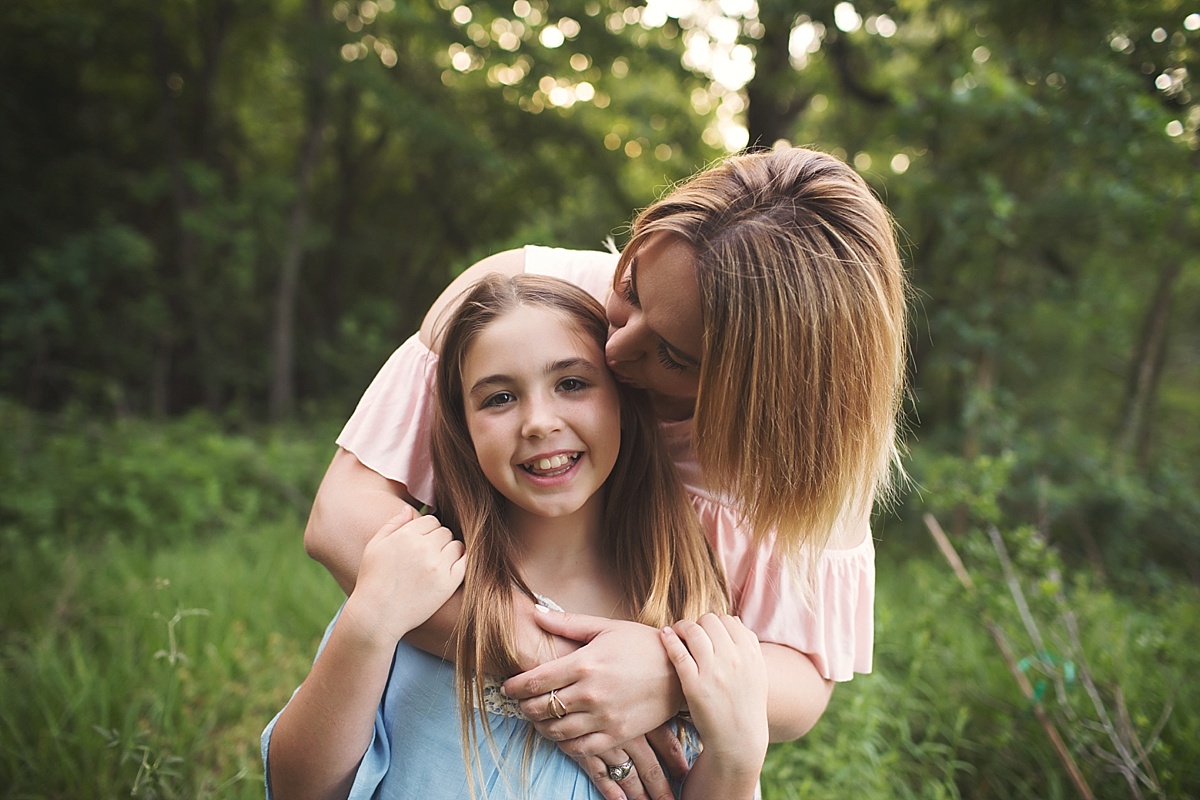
(499, 399)
(629, 292)
(665, 359)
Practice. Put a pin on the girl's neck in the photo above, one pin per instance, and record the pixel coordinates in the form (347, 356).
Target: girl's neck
(565, 559)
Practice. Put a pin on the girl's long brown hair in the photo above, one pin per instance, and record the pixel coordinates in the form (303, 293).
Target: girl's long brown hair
(804, 303)
(655, 543)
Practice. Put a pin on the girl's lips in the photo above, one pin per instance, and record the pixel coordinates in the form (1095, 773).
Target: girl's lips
(552, 465)
(553, 476)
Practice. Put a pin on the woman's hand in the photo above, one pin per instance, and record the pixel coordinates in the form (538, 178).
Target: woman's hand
(534, 645)
(635, 770)
(410, 568)
(619, 685)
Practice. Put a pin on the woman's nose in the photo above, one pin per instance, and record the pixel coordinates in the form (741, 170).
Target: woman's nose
(622, 331)
(621, 345)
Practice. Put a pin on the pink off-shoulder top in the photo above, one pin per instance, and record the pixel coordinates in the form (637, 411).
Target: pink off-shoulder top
(389, 432)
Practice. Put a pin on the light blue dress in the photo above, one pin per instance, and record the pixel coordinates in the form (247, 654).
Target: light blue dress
(416, 751)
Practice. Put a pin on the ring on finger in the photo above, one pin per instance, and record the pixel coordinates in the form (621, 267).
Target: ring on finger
(556, 708)
(619, 772)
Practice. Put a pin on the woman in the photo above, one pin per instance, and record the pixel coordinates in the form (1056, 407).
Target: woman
(762, 304)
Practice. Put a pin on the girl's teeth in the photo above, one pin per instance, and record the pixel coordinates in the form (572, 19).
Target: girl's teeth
(552, 463)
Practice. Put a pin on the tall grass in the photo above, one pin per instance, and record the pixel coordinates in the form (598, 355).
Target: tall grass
(158, 609)
(142, 653)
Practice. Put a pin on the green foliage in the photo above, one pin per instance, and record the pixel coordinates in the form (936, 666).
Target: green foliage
(152, 180)
(1130, 527)
(87, 482)
(145, 654)
(942, 717)
(1040, 159)
(81, 484)
(158, 606)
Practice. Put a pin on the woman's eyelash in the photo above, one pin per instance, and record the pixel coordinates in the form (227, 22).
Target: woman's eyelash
(629, 293)
(665, 359)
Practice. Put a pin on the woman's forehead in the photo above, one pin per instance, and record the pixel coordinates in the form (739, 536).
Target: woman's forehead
(663, 271)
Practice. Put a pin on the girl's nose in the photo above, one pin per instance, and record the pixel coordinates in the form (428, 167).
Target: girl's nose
(541, 419)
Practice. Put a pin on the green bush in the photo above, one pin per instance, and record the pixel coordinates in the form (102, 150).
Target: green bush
(941, 716)
(77, 480)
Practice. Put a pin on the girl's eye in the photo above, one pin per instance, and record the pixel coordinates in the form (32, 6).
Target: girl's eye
(499, 399)
(665, 359)
(572, 385)
(629, 292)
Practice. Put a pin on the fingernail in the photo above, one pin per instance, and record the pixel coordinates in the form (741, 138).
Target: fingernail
(541, 608)
(669, 630)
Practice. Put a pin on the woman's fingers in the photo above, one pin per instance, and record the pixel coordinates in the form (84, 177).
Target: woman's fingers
(648, 768)
(669, 750)
(597, 771)
(617, 774)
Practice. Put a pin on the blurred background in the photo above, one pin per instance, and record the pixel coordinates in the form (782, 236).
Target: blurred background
(218, 218)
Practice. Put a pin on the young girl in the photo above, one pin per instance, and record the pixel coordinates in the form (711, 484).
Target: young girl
(556, 478)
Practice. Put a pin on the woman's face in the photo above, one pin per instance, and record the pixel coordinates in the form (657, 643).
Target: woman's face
(655, 332)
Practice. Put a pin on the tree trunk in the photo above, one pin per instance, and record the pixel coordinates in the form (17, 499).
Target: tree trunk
(188, 293)
(1145, 369)
(282, 393)
(773, 98)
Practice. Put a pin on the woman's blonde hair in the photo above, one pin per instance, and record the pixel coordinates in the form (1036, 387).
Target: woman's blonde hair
(803, 304)
(655, 543)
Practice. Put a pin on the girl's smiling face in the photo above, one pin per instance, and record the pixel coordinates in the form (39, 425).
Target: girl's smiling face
(543, 412)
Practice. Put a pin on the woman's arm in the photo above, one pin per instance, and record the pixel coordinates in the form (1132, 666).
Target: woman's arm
(411, 566)
(352, 502)
(621, 684)
(798, 694)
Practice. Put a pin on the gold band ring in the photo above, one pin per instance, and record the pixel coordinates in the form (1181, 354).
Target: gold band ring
(556, 708)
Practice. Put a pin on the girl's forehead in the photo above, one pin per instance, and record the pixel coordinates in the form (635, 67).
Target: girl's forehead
(520, 321)
(527, 330)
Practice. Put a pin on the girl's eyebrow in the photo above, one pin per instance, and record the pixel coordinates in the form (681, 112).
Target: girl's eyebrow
(562, 365)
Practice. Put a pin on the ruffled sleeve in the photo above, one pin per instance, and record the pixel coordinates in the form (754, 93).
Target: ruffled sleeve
(389, 430)
(836, 629)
